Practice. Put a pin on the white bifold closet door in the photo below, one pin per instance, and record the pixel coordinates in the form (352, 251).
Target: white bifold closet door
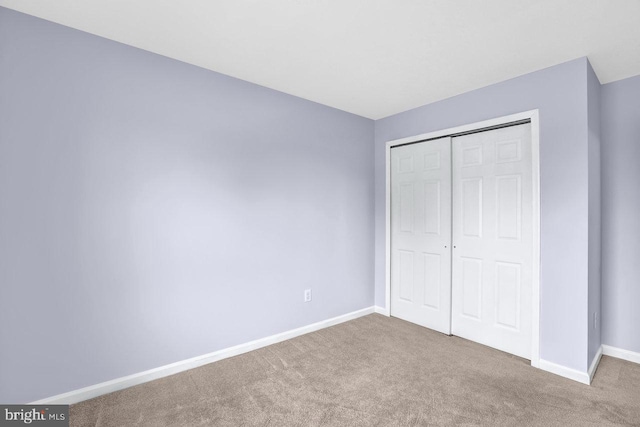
(421, 233)
(493, 238)
(462, 236)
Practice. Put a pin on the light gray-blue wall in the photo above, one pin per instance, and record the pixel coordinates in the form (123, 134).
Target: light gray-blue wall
(595, 288)
(152, 211)
(621, 214)
(560, 95)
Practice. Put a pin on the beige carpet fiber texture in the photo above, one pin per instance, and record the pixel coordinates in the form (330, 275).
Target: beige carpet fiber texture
(372, 371)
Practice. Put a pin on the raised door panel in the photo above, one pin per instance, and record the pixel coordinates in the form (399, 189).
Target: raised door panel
(472, 207)
(432, 206)
(508, 206)
(406, 275)
(471, 281)
(407, 207)
(432, 279)
(508, 294)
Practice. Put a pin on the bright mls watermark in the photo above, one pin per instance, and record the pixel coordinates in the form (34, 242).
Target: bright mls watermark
(36, 415)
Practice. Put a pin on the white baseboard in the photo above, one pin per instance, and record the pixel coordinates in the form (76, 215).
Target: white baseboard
(563, 371)
(587, 377)
(90, 392)
(630, 356)
(594, 364)
(574, 374)
(381, 310)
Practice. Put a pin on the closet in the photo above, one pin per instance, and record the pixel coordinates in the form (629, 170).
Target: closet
(461, 250)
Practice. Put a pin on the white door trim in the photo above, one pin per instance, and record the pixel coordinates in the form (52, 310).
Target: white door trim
(531, 115)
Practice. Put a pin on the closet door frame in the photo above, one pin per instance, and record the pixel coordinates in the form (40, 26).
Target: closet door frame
(527, 116)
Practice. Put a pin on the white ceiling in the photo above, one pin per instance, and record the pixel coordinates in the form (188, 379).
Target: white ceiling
(373, 58)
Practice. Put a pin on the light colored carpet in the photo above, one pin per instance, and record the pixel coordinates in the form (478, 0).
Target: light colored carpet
(372, 371)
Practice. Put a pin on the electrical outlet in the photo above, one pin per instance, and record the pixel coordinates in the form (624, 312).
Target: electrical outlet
(307, 295)
(595, 320)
